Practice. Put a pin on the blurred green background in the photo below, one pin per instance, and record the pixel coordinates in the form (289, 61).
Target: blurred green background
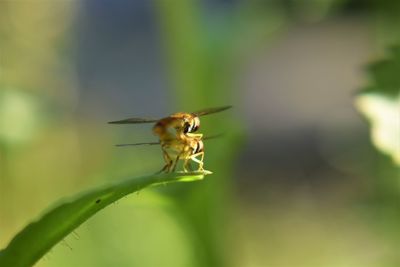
(297, 181)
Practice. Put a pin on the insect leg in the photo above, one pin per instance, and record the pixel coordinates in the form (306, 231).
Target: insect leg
(190, 167)
(186, 164)
(182, 155)
(168, 161)
(175, 163)
(200, 162)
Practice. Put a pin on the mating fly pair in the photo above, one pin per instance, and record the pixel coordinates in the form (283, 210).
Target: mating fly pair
(177, 137)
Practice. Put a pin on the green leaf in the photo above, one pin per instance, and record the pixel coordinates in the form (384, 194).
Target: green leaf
(37, 238)
(385, 74)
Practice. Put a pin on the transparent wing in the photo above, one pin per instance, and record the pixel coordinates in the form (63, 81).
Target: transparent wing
(213, 136)
(139, 144)
(144, 120)
(133, 120)
(211, 110)
(157, 143)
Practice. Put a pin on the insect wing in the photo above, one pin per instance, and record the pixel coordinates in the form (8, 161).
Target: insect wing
(213, 136)
(211, 110)
(133, 120)
(139, 144)
(157, 143)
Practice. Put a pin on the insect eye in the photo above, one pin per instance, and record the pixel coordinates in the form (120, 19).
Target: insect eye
(196, 124)
(195, 128)
(186, 128)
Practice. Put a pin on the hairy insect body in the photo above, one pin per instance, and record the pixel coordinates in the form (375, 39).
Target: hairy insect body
(177, 125)
(186, 149)
(178, 142)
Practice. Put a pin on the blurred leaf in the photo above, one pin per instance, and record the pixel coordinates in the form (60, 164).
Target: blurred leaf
(380, 103)
(387, 19)
(384, 115)
(385, 74)
(315, 10)
(37, 238)
(20, 117)
(201, 64)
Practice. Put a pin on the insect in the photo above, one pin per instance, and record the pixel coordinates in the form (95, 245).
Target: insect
(177, 137)
(176, 125)
(187, 149)
(174, 150)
